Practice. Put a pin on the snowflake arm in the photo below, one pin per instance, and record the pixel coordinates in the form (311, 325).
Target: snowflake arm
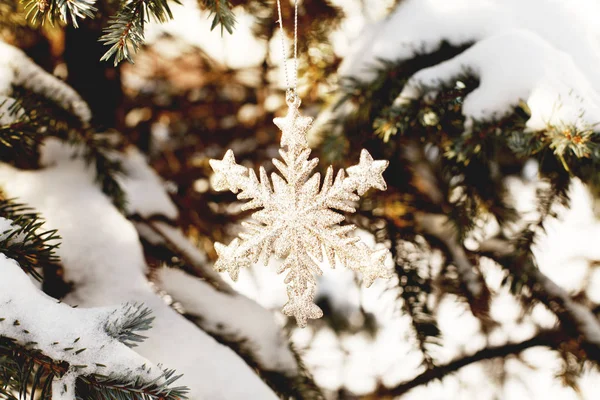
(297, 218)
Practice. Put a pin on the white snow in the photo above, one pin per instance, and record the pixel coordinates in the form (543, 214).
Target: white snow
(145, 190)
(555, 89)
(19, 70)
(76, 336)
(102, 256)
(236, 317)
(544, 52)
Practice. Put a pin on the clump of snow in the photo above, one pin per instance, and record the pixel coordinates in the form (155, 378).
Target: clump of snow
(76, 336)
(173, 236)
(145, 190)
(102, 256)
(236, 317)
(555, 89)
(544, 52)
(16, 69)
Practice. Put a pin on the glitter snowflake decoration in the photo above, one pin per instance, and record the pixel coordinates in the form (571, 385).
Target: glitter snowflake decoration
(296, 220)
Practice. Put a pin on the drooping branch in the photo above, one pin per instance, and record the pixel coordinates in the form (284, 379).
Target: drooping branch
(577, 320)
(544, 338)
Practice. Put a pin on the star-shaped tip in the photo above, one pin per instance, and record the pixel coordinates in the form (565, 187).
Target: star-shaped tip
(226, 163)
(301, 306)
(377, 269)
(227, 172)
(368, 173)
(227, 260)
(294, 127)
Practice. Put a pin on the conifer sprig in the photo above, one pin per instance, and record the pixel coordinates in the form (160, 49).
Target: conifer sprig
(125, 30)
(27, 243)
(66, 11)
(39, 117)
(221, 12)
(26, 372)
(137, 318)
(20, 135)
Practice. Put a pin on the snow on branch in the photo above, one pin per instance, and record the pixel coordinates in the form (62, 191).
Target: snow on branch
(92, 341)
(555, 90)
(236, 318)
(23, 239)
(16, 69)
(103, 259)
(547, 59)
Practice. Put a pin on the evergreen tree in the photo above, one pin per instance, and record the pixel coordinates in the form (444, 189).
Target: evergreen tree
(111, 110)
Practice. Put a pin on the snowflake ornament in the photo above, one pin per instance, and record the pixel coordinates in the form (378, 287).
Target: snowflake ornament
(296, 220)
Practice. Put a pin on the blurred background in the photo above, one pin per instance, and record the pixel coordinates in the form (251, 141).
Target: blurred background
(487, 112)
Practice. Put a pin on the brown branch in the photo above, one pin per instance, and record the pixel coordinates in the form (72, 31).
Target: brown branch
(576, 319)
(543, 338)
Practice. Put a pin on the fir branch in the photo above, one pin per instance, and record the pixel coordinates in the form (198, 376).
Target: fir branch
(27, 244)
(136, 318)
(107, 388)
(20, 134)
(125, 30)
(24, 371)
(66, 11)
(27, 371)
(222, 13)
(42, 116)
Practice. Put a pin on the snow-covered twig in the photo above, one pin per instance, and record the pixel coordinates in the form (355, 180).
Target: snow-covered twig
(236, 318)
(103, 259)
(16, 69)
(91, 341)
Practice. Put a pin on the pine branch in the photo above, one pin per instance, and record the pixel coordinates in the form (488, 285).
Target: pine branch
(67, 11)
(26, 372)
(125, 30)
(136, 318)
(19, 133)
(27, 243)
(577, 320)
(544, 339)
(42, 116)
(97, 151)
(221, 12)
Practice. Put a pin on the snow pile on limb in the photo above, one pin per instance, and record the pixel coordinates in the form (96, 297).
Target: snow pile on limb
(146, 194)
(16, 69)
(92, 341)
(103, 259)
(237, 317)
(543, 52)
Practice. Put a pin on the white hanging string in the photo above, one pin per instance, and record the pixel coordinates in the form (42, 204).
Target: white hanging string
(283, 47)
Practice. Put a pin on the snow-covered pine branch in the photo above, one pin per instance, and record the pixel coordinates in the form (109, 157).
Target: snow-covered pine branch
(517, 53)
(16, 69)
(105, 264)
(92, 342)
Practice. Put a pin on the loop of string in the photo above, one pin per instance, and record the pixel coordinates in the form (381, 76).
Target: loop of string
(290, 88)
